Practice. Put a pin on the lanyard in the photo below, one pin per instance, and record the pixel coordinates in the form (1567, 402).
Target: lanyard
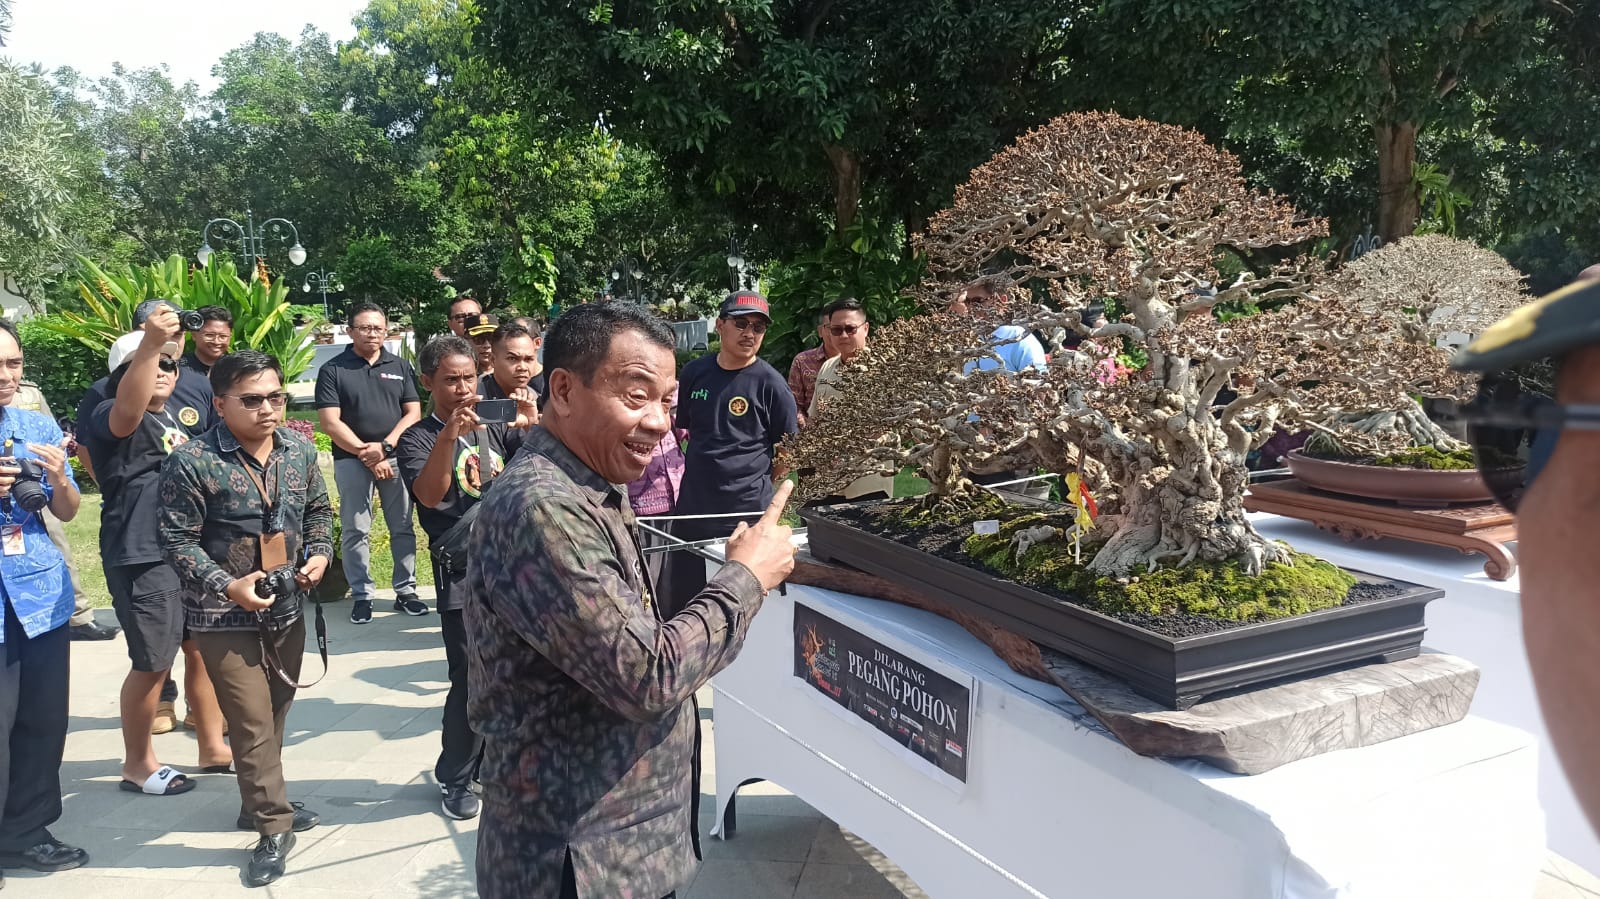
(272, 519)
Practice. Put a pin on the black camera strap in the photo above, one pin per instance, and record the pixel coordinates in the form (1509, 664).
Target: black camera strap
(269, 643)
(269, 650)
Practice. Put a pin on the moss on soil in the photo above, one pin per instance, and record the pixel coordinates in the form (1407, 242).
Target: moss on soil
(1216, 590)
(1430, 458)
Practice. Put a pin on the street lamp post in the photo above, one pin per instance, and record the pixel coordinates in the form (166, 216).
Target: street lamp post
(627, 267)
(252, 240)
(323, 281)
(735, 264)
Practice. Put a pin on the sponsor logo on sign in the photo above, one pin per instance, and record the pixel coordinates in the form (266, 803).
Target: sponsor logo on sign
(738, 406)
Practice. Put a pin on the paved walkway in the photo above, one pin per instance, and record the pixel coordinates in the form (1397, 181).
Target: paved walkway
(360, 751)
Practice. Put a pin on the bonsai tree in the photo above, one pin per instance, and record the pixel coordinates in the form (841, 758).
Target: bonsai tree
(1420, 290)
(1095, 206)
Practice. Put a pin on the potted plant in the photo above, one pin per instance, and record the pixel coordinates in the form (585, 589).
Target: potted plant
(1425, 290)
(1152, 570)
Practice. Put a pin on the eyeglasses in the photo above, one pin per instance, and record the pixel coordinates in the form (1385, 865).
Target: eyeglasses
(253, 401)
(370, 329)
(844, 330)
(168, 364)
(744, 323)
(1507, 425)
(463, 316)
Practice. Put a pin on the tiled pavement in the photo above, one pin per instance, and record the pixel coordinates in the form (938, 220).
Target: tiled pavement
(360, 751)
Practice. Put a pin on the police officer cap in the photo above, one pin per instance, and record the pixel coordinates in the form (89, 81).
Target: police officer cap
(1548, 327)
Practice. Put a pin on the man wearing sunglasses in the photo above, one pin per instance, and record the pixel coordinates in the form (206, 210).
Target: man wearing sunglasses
(129, 435)
(462, 310)
(191, 405)
(243, 502)
(1558, 512)
(735, 408)
(847, 327)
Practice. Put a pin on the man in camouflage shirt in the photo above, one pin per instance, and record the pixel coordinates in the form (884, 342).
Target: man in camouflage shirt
(246, 489)
(583, 694)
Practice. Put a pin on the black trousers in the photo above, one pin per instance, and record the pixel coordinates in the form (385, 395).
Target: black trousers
(33, 732)
(460, 750)
(686, 569)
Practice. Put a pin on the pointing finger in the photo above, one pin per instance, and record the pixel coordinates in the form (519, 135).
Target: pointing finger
(780, 499)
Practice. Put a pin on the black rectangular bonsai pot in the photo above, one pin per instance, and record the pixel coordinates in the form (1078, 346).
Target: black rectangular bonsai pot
(1174, 671)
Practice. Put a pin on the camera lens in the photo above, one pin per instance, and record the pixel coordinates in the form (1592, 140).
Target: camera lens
(29, 495)
(191, 320)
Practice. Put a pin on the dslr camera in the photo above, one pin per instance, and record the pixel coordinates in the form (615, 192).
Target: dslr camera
(188, 319)
(28, 489)
(279, 586)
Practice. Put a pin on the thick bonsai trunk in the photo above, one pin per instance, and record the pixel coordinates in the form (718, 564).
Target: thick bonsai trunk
(1399, 206)
(1168, 525)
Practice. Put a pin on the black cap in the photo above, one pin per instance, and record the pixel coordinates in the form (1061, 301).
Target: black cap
(1550, 326)
(746, 302)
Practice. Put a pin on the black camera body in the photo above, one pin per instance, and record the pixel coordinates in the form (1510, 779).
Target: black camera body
(28, 490)
(190, 320)
(278, 584)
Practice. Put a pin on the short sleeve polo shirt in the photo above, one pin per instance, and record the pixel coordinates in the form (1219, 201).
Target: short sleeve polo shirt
(370, 397)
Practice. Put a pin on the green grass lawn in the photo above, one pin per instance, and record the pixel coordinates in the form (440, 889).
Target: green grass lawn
(83, 533)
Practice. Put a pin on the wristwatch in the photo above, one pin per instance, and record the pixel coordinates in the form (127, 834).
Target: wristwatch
(388, 449)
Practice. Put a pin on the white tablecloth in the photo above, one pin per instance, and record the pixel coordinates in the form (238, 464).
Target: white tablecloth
(1054, 806)
(1479, 619)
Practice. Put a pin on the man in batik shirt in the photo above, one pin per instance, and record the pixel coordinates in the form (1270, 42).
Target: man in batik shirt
(583, 694)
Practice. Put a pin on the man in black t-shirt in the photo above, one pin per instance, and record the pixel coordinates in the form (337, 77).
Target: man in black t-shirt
(517, 373)
(736, 408)
(366, 398)
(447, 461)
(128, 435)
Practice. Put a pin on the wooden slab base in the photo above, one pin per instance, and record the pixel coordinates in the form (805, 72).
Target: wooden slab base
(1476, 528)
(1261, 729)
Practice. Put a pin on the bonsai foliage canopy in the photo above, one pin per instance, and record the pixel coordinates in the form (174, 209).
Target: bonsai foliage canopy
(1091, 207)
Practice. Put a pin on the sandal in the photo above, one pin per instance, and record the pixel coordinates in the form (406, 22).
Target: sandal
(166, 781)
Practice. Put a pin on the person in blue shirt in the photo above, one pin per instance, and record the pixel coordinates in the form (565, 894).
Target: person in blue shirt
(37, 595)
(986, 299)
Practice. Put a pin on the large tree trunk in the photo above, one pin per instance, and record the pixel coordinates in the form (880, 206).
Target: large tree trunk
(1399, 206)
(846, 177)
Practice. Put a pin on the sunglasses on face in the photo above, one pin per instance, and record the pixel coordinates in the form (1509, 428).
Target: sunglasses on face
(1507, 424)
(253, 401)
(745, 323)
(463, 316)
(844, 330)
(168, 364)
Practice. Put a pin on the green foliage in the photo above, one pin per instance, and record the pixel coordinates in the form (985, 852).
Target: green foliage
(61, 366)
(1214, 590)
(1431, 458)
(1441, 200)
(263, 318)
(866, 263)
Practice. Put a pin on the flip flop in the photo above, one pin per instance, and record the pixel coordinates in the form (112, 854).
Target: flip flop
(219, 769)
(166, 781)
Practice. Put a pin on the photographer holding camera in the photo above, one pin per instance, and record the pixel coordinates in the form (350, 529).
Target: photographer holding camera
(37, 599)
(246, 522)
(447, 461)
(128, 436)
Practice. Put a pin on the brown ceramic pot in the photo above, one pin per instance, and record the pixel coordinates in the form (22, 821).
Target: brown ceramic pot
(1414, 485)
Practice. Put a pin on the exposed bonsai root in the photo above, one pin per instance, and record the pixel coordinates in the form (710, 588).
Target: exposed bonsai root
(1381, 433)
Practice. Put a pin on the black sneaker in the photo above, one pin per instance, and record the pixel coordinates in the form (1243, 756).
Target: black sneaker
(361, 611)
(410, 604)
(459, 803)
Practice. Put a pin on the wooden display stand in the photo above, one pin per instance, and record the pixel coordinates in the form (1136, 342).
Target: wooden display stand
(1476, 528)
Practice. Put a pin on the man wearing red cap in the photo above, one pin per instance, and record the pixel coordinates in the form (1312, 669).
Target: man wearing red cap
(736, 408)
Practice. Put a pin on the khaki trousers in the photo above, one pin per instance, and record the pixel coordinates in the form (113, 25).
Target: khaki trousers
(255, 704)
(82, 612)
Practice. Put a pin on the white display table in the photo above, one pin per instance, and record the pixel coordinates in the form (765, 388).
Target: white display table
(1480, 620)
(1054, 806)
